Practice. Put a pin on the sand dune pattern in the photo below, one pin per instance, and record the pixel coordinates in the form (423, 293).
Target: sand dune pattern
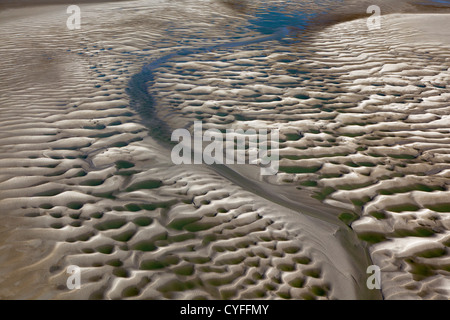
(363, 118)
(366, 128)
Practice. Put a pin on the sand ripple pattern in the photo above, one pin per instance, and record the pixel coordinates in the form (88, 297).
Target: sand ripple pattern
(365, 127)
(82, 183)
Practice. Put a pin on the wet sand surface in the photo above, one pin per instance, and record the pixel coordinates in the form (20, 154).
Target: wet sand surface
(86, 180)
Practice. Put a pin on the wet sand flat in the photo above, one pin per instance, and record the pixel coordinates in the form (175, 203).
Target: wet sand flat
(84, 181)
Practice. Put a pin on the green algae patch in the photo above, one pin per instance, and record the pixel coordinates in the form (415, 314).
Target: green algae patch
(151, 265)
(75, 205)
(145, 246)
(92, 182)
(360, 202)
(180, 223)
(403, 156)
(418, 187)
(286, 267)
(295, 169)
(348, 217)
(420, 271)
(318, 291)
(324, 193)
(297, 282)
(111, 224)
(157, 264)
(302, 260)
(143, 221)
(185, 270)
(106, 249)
(372, 237)
(121, 272)
(124, 236)
(433, 253)
(199, 226)
(133, 207)
(378, 215)
(130, 292)
(403, 207)
(444, 207)
(309, 183)
(292, 136)
(122, 164)
(417, 232)
(354, 186)
(148, 184)
(48, 193)
(313, 273)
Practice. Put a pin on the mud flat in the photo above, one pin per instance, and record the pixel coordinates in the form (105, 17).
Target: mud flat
(363, 117)
(364, 122)
(83, 184)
